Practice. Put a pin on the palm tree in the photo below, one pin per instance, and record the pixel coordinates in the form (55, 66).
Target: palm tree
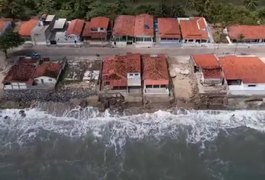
(251, 4)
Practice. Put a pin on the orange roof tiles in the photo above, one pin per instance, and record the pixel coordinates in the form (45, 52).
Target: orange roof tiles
(144, 25)
(26, 27)
(168, 28)
(247, 69)
(194, 28)
(101, 22)
(115, 68)
(48, 69)
(141, 25)
(124, 26)
(209, 64)
(75, 27)
(206, 61)
(27, 69)
(155, 70)
(249, 32)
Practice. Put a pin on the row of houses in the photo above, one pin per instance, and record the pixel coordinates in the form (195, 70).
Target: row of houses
(136, 73)
(49, 30)
(140, 30)
(27, 73)
(238, 75)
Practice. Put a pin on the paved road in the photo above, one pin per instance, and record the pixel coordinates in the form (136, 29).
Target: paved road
(103, 51)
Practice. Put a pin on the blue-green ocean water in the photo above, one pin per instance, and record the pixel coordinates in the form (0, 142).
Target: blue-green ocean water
(176, 145)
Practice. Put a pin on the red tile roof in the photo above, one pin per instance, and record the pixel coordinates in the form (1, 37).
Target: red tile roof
(48, 69)
(115, 68)
(26, 27)
(26, 70)
(101, 22)
(168, 28)
(124, 26)
(209, 63)
(141, 25)
(247, 69)
(144, 25)
(155, 70)
(21, 72)
(97, 22)
(194, 28)
(249, 32)
(206, 61)
(75, 27)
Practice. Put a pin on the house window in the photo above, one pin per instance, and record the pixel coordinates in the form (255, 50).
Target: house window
(130, 74)
(191, 40)
(94, 29)
(42, 81)
(148, 86)
(147, 39)
(136, 74)
(101, 29)
(139, 39)
(163, 86)
(251, 85)
(50, 79)
(156, 86)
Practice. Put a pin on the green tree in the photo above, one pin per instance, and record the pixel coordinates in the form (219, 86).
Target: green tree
(251, 4)
(10, 40)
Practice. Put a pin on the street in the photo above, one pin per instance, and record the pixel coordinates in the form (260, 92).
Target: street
(55, 52)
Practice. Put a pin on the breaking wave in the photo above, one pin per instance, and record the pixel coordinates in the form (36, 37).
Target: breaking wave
(199, 126)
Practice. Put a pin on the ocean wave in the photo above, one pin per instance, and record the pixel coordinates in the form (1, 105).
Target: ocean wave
(200, 126)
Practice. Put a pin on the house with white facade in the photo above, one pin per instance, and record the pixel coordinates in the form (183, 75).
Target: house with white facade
(244, 75)
(32, 74)
(207, 67)
(42, 33)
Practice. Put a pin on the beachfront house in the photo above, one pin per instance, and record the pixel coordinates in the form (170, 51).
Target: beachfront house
(244, 75)
(122, 73)
(32, 74)
(207, 67)
(155, 75)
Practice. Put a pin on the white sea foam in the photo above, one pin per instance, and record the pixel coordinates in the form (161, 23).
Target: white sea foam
(200, 126)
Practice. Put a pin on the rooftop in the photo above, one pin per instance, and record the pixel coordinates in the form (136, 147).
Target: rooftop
(155, 69)
(124, 26)
(206, 61)
(75, 27)
(116, 68)
(168, 28)
(140, 25)
(247, 69)
(59, 23)
(27, 27)
(194, 28)
(101, 22)
(248, 31)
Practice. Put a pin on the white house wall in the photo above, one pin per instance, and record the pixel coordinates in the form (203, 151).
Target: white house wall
(244, 90)
(45, 80)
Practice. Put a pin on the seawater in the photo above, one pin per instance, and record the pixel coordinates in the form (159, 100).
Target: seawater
(84, 143)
